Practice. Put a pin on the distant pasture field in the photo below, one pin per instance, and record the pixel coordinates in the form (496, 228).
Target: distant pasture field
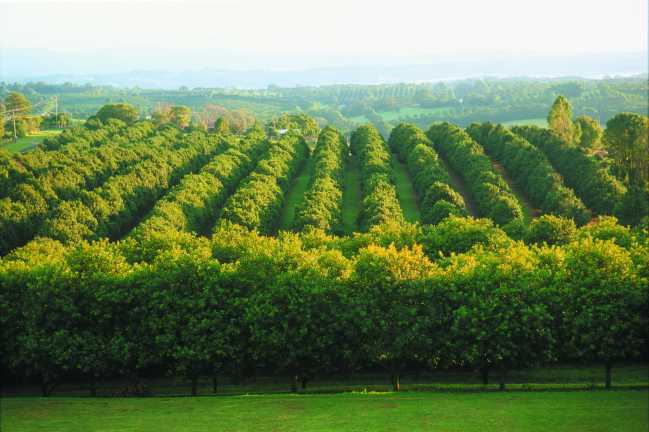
(406, 112)
(418, 411)
(540, 122)
(28, 142)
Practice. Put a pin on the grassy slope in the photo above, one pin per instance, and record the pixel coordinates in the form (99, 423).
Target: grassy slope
(28, 142)
(541, 122)
(351, 197)
(295, 196)
(405, 191)
(483, 412)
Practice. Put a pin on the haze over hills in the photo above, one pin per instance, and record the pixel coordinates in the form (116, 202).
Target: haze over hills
(182, 71)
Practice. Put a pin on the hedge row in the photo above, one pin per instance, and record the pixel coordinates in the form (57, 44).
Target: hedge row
(192, 205)
(257, 203)
(488, 189)
(114, 131)
(529, 167)
(114, 208)
(281, 307)
(592, 181)
(66, 175)
(380, 204)
(80, 164)
(437, 198)
(322, 205)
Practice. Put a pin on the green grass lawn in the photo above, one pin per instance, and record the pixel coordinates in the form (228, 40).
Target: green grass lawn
(405, 191)
(351, 197)
(541, 122)
(482, 412)
(28, 142)
(295, 196)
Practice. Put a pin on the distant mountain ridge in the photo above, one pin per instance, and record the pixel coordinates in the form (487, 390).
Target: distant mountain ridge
(437, 69)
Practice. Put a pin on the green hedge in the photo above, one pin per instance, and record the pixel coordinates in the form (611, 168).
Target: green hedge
(257, 203)
(488, 189)
(380, 204)
(322, 205)
(589, 178)
(437, 199)
(529, 167)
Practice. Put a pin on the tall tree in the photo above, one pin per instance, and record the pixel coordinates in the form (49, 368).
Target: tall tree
(591, 132)
(627, 140)
(222, 125)
(121, 111)
(181, 116)
(560, 119)
(18, 102)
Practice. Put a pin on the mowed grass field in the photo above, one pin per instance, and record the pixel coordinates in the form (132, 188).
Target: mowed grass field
(28, 142)
(295, 196)
(541, 122)
(405, 191)
(482, 412)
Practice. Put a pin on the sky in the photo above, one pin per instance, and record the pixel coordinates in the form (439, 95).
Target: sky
(91, 36)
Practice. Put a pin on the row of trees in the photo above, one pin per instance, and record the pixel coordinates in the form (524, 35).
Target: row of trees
(489, 190)
(191, 206)
(94, 134)
(432, 183)
(257, 203)
(29, 203)
(530, 169)
(592, 182)
(76, 163)
(380, 204)
(114, 208)
(322, 204)
(302, 305)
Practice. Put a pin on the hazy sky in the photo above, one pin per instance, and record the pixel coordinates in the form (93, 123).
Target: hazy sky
(293, 33)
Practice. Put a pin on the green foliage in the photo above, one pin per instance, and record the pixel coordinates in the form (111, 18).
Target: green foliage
(627, 140)
(380, 204)
(257, 203)
(121, 111)
(111, 210)
(607, 297)
(591, 132)
(322, 205)
(551, 230)
(588, 177)
(17, 102)
(560, 120)
(192, 204)
(437, 199)
(503, 320)
(489, 190)
(180, 116)
(530, 169)
(241, 300)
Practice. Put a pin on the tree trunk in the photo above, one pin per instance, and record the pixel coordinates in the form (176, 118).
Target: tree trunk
(396, 383)
(93, 385)
(609, 366)
(47, 386)
(215, 384)
(194, 385)
(304, 381)
(484, 373)
(294, 384)
(503, 372)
